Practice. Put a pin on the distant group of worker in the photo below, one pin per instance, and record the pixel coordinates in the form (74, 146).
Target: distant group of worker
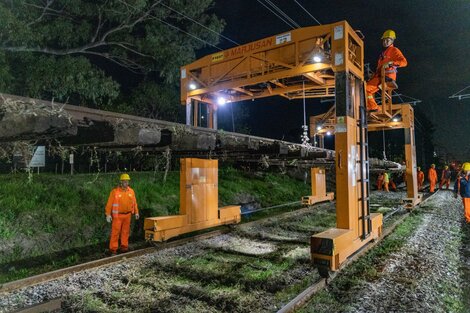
(461, 186)
(446, 175)
(386, 182)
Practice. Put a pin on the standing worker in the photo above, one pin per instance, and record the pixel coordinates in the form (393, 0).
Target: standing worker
(432, 177)
(386, 181)
(462, 187)
(420, 179)
(121, 205)
(445, 177)
(391, 58)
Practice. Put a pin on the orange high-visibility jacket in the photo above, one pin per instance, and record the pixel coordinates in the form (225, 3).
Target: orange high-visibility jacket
(432, 175)
(421, 177)
(121, 201)
(391, 54)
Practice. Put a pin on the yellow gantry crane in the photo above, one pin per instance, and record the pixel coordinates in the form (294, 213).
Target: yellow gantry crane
(311, 62)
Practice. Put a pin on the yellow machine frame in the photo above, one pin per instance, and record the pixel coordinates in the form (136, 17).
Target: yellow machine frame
(319, 193)
(272, 66)
(284, 65)
(198, 203)
(389, 117)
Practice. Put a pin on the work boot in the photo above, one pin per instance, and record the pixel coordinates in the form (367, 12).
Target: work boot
(112, 252)
(124, 249)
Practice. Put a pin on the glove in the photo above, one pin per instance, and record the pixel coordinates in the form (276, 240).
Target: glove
(137, 216)
(109, 218)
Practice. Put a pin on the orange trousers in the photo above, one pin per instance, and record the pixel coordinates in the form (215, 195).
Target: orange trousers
(420, 186)
(466, 207)
(371, 88)
(444, 182)
(386, 187)
(432, 185)
(120, 228)
(379, 184)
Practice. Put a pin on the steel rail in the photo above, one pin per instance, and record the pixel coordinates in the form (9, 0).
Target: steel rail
(41, 278)
(301, 299)
(305, 296)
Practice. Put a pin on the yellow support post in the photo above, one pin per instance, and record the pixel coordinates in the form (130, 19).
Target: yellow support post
(198, 203)
(319, 194)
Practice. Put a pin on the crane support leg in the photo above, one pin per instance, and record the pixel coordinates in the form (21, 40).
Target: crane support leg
(413, 197)
(355, 225)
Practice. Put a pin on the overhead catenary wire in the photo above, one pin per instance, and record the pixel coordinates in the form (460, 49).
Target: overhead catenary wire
(284, 14)
(306, 11)
(178, 29)
(187, 33)
(461, 96)
(277, 15)
(196, 22)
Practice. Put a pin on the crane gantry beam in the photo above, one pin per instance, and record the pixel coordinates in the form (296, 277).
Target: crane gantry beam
(296, 64)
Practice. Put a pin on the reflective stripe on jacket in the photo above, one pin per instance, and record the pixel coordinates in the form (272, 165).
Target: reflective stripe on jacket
(121, 202)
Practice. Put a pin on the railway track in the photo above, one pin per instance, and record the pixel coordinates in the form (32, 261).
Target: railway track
(55, 304)
(309, 292)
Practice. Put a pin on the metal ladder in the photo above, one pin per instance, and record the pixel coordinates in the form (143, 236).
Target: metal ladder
(363, 162)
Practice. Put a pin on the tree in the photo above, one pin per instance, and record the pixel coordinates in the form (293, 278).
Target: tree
(78, 50)
(156, 101)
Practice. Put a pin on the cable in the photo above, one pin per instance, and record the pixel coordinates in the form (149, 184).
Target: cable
(307, 12)
(282, 13)
(383, 142)
(202, 25)
(305, 114)
(460, 97)
(179, 29)
(233, 121)
(185, 32)
(259, 1)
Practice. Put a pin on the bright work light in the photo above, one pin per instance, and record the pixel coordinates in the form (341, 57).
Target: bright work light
(221, 101)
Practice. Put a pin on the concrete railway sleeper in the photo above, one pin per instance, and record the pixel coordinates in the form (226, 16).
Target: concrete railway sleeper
(262, 258)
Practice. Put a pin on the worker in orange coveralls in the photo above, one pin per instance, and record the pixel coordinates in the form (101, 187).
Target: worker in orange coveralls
(462, 188)
(420, 179)
(432, 177)
(391, 58)
(445, 177)
(380, 181)
(121, 205)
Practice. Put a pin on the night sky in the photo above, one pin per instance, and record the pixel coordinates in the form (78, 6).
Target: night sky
(433, 35)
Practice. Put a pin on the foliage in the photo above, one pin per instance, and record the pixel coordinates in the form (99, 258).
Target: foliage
(155, 101)
(78, 50)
